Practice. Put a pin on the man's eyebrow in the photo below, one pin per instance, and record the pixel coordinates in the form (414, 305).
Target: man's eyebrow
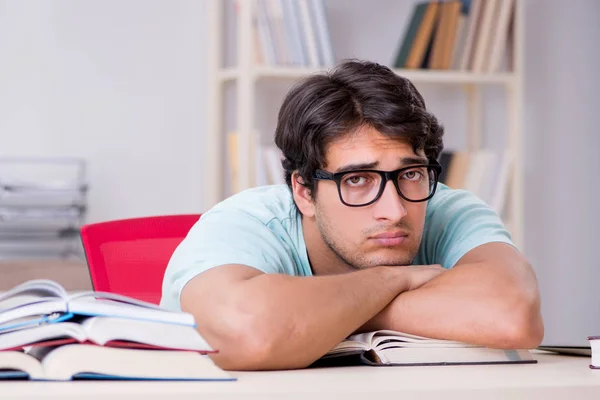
(354, 167)
(405, 161)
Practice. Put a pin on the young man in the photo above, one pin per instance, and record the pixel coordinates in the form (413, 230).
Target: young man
(361, 238)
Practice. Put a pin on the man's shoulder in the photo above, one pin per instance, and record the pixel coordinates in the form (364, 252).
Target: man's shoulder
(263, 203)
(449, 200)
(456, 222)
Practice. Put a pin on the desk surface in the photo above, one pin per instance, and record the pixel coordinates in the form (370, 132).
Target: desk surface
(552, 377)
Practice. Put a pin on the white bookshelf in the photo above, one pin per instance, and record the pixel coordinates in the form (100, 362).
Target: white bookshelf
(247, 75)
(418, 76)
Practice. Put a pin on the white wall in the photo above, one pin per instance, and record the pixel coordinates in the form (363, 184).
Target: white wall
(120, 83)
(562, 101)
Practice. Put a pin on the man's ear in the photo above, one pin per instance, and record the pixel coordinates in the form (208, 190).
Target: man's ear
(302, 196)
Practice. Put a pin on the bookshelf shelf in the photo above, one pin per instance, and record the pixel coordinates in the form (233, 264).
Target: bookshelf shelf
(420, 76)
(228, 74)
(455, 77)
(249, 73)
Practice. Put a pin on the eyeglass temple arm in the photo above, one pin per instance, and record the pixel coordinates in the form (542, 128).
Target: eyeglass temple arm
(320, 174)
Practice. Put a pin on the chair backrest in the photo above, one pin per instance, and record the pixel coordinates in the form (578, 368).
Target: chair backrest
(130, 256)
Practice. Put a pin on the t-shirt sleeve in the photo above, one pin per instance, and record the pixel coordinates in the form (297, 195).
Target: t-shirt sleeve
(457, 222)
(219, 238)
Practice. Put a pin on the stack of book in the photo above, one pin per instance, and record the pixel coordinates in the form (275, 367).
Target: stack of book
(47, 334)
(265, 160)
(43, 203)
(292, 33)
(483, 172)
(466, 35)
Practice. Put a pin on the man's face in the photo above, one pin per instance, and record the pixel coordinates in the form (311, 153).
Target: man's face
(387, 232)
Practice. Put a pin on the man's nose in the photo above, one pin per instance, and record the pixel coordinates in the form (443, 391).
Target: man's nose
(390, 205)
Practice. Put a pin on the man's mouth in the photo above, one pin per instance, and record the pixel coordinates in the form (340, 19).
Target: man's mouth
(390, 238)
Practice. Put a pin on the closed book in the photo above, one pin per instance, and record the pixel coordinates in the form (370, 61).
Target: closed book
(410, 35)
(423, 38)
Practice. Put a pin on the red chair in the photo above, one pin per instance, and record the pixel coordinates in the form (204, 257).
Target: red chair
(130, 256)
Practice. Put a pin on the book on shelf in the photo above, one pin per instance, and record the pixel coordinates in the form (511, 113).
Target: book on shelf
(44, 301)
(272, 162)
(465, 35)
(265, 160)
(482, 172)
(391, 348)
(292, 33)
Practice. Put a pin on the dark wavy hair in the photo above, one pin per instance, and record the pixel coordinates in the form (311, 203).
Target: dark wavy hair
(323, 108)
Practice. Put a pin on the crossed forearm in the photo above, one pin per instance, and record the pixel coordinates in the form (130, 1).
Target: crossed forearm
(273, 321)
(471, 303)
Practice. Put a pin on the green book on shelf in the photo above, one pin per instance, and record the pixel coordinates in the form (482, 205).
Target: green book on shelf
(410, 34)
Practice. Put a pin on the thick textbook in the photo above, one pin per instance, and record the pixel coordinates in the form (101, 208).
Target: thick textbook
(44, 301)
(108, 331)
(86, 361)
(397, 348)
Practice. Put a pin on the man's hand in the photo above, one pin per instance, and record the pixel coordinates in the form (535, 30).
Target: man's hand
(416, 276)
(489, 298)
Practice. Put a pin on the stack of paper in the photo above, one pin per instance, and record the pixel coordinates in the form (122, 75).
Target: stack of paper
(42, 206)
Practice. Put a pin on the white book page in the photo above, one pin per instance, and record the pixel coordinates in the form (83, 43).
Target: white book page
(41, 333)
(101, 330)
(348, 346)
(454, 355)
(366, 338)
(386, 338)
(135, 309)
(66, 361)
(42, 308)
(20, 361)
(360, 341)
(35, 288)
(126, 300)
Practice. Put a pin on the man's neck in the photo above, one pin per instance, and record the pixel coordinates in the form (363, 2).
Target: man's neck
(323, 261)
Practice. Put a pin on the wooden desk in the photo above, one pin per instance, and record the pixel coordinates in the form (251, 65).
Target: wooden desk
(72, 274)
(554, 377)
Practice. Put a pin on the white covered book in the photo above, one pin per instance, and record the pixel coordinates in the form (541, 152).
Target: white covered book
(396, 348)
(44, 301)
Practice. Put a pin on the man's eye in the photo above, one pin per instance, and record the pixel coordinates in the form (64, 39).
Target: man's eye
(355, 180)
(413, 175)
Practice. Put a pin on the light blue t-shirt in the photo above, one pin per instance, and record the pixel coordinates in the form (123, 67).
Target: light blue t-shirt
(261, 228)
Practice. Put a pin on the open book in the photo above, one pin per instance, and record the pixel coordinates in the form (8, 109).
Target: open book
(83, 361)
(108, 331)
(42, 301)
(396, 348)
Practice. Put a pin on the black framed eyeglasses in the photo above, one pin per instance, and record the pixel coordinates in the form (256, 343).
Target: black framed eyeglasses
(363, 187)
